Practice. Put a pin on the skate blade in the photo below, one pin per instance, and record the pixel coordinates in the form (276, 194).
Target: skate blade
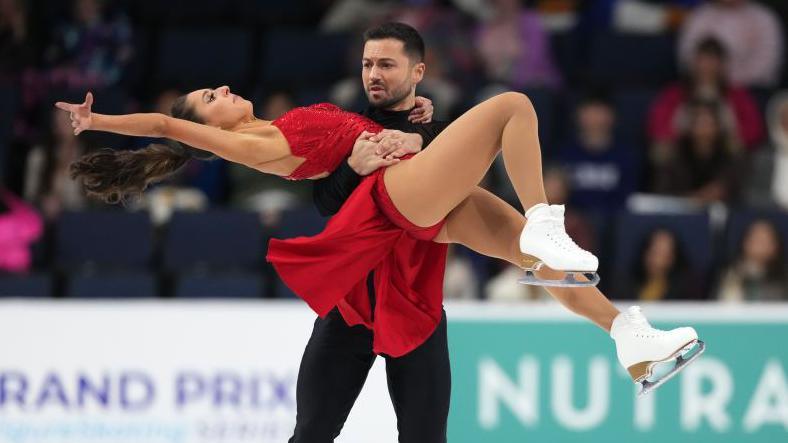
(682, 361)
(569, 281)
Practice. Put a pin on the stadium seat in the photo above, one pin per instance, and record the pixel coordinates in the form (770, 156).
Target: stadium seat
(234, 285)
(214, 240)
(192, 58)
(34, 285)
(632, 106)
(283, 57)
(112, 285)
(305, 221)
(626, 59)
(113, 239)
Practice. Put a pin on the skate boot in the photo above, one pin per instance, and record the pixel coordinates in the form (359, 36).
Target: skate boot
(544, 242)
(641, 348)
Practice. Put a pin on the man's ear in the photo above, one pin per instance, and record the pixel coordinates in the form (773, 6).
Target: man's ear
(418, 72)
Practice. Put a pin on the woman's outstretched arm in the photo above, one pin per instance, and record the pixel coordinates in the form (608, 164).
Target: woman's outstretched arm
(265, 145)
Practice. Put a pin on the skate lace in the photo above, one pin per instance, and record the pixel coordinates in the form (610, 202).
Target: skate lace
(642, 328)
(557, 234)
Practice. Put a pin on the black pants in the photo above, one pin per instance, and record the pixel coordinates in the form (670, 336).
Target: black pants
(335, 365)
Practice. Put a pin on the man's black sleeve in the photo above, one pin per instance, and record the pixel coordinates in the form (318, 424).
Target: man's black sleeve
(330, 193)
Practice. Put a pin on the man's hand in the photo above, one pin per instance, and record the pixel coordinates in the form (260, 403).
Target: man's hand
(422, 113)
(364, 160)
(394, 144)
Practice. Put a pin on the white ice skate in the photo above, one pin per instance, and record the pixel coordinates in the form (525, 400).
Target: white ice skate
(640, 348)
(544, 242)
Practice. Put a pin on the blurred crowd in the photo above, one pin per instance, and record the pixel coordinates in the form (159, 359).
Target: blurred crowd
(664, 124)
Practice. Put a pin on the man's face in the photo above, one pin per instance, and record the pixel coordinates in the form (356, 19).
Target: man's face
(388, 74)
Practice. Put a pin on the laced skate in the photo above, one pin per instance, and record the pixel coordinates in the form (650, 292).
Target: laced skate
(641, 348)
(544, 242)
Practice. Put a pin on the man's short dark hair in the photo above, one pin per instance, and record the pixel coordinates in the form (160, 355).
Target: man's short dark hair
(411, 40)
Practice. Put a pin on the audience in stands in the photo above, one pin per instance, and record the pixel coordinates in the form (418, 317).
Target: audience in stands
(706, 130)
(92, 49)
(758, 272)
(48, 182)
(515, 48)
(704, 163)
(662, 271)
(706, 79)
(602, 170)
(750, 32)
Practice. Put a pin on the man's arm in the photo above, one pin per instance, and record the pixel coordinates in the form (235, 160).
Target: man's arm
(330, 193)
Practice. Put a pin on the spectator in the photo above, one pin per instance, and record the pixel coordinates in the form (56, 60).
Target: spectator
(20, 226)
(706, 79)
(515, 48)
(602, 170)
(778, 129)
(662, 271)
(92, 50)
(48, 181)
(460, 282)
(750, 32)
(16, 48)
(759, 272)
(703, 165)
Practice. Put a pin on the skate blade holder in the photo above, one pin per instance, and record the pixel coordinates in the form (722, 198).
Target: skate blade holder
(685, 356)
(531, 265)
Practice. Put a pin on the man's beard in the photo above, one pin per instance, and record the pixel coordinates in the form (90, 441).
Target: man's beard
(396, 97)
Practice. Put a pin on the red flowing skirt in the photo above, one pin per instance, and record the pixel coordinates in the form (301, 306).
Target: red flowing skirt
(368, 233)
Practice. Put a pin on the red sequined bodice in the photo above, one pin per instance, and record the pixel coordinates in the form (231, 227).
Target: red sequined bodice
(324, 134)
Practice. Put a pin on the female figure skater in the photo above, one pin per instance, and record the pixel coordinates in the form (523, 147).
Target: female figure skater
(433, 195)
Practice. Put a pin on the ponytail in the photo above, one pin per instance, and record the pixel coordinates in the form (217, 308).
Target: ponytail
(113, 176)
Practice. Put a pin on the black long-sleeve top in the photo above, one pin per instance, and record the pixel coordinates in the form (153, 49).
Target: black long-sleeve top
(331, 192)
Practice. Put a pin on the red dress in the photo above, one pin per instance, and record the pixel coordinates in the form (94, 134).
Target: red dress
(368, 233)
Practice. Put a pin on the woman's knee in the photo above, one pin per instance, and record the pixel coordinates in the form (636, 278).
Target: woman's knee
(516, 102)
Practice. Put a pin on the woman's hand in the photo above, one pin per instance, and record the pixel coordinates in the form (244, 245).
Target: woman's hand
(363, 159)
(81, 115)
(395, 144)
(422, 113)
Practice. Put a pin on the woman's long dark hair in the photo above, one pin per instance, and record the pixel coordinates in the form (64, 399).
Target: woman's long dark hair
(115, 175)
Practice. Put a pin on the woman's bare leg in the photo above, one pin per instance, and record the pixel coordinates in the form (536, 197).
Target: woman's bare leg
(490, 226)
(428, 186)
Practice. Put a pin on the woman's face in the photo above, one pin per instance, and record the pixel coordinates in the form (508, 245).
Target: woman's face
(704, 126)
(219, 107)
(661, 253)
(760, 243)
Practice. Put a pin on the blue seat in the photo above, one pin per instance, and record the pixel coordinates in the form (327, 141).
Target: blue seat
(304, 221)
(209, 12)
(34, 285)
(282, 58)
(192, 58)
(632, 107)
(112, 285)
(104, 239)
(9, 105)
(740, 221)
(276, 12)
(235, 285)
(214, 240)
(626, 59)
(693, 231)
